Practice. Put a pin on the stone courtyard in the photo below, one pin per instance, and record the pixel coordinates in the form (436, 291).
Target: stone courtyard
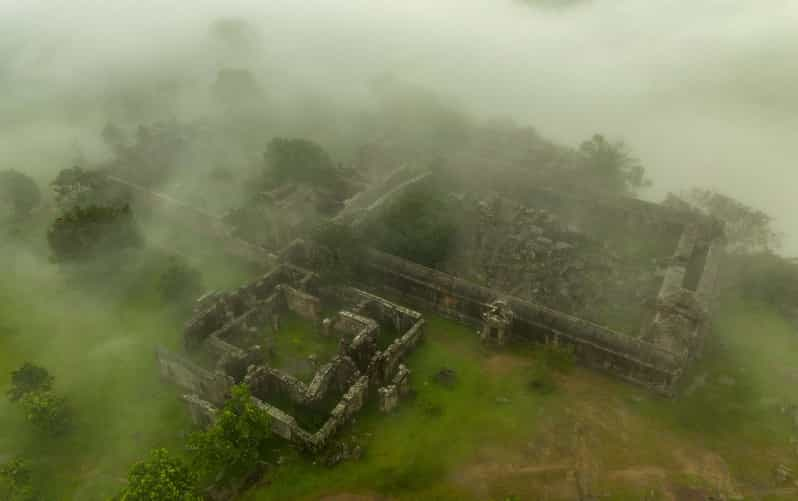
(232, 339)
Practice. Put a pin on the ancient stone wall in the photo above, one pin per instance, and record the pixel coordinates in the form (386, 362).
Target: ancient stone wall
(386, 364)
(335, 376)
(598, 347)
(304, 305)
(213, 386)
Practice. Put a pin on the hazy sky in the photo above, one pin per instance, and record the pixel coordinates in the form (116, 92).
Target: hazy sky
(705, 92)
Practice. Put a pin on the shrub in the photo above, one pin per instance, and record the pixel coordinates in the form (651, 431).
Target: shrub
(300, 160)
(180, 283)
(84, 233)
(20, 191)
(236, 443)
(160, 478)
(29, 378)
(16, 481)
(47, 411)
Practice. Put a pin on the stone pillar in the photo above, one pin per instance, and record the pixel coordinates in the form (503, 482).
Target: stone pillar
(496, 323)
(402, 380)
(388, 398)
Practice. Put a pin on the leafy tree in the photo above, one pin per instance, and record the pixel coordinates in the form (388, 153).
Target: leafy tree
(237, 441)
(418, 227)
(47, 411)
(77, 187)
(27, 379)
(84, 233)
(338, 252)
(748, 230)
(180, 283)
(300, 160)
(16, 481)
(20, 191)
(160, 478)
(611, 166)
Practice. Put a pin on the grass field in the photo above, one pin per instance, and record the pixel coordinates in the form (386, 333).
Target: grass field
(98, 341)
(491, 437)
(488, 436)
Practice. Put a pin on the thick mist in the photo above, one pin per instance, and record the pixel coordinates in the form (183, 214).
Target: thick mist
(703, 92)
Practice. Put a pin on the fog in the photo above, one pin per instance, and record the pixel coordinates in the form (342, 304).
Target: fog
(703, 91)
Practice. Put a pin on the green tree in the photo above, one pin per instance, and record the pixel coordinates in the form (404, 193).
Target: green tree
(78, 187)
(19, 191)
(180, 283)
(16, 481)
(611, 167)
(419, 226)
(85, 233)
(27, 379)
(338, 252)
(300, 160)
(47, 411)
(747, 230)
(236, 443)
(160, 478)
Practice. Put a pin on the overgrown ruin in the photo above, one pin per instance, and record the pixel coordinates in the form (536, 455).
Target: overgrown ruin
(553, 268)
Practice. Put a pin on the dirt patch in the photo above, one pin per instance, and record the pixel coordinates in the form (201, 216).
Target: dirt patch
(502, 364)
(708, 466)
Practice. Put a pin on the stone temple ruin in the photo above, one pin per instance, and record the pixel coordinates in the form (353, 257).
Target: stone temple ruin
(235, 335)
(548, 268)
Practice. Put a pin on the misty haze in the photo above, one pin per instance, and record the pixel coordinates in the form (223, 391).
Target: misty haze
(363, 250)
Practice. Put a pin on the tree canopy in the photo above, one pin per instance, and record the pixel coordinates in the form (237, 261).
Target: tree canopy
(180, 283)
(418, 227)
(162, 477)
(16, 481)
(29, 378)
(78, 187)
(611, 167)
(236, 443)
(83, 233)
(20, 191)
(300, 160)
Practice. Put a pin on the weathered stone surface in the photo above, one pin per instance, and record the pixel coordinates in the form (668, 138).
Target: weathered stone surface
(388, 398)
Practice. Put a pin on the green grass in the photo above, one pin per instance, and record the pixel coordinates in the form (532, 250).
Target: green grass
(296, 340)
(411, 452)
(97, 337)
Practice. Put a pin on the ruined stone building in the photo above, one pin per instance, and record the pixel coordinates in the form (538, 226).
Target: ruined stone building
(549, 268)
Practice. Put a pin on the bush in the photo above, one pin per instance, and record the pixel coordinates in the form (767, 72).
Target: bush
(180, 284)
(610, 166)
(19, 191)
(160, 478)
(47, 411)
(85, 233)
(27, 379)
(235, 444)
(301, 161)
(77, 187)
(16, 481)
(338, 253)
(419, 227)
(767, 278)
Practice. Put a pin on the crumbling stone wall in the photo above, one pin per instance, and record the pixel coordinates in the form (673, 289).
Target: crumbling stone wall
(625, 356)
(335, 376)
(385, 364)
(304, 305)
(213, 386)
